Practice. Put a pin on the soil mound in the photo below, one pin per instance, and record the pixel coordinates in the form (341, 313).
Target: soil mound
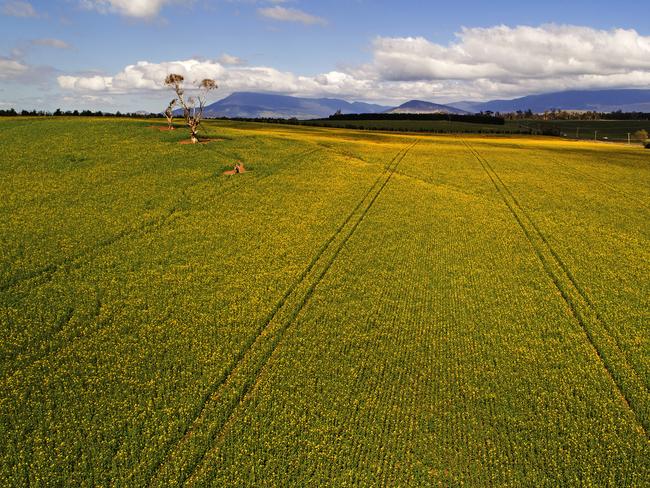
(238, 169)
(201, 141)
(161, 128)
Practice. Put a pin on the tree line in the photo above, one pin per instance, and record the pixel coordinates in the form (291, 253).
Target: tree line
(74, 113)
(483, 118)
(570, 115)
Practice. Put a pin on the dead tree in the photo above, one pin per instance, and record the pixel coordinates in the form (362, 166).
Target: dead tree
(194, 105)
(169, 113)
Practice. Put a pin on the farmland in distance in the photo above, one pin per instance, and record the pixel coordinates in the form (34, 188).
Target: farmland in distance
(357, 309)
(587, 130)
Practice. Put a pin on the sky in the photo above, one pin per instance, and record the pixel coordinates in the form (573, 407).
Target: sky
(114, 54)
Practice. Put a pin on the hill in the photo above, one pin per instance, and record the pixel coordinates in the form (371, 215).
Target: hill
(266, 105)
(422, 107)
(596, 100)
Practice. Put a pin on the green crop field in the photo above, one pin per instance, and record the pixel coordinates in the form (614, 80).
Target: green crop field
(357, 309)
(439, 126)
(613, 130)
(588, 130)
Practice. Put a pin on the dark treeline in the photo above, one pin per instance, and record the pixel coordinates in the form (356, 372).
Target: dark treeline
(264, 120)
(74, 113)
(572, 115)
(428, 130)
(386, 128)
(471, 119)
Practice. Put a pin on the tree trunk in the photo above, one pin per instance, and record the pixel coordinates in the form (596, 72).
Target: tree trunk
(193, 129)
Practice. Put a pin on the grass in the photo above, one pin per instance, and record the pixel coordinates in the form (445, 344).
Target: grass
(359, 309)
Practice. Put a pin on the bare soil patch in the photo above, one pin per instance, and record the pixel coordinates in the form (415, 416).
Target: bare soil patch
(201, 141)
(161, 128)
(237, 170)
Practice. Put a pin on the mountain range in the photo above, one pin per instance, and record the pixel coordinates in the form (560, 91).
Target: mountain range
(265, 105)
(595, 100)
(421, 107)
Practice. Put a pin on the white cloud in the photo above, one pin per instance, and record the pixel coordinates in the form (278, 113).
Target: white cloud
(284, 14)
(506, 53)
(18, 8)
(227, 59)
(86, 83)
(144, 9)
(506, 61)
(51, 42)
(10, 69)
(481, 64)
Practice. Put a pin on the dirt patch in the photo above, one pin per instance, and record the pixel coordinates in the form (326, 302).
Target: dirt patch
(201, 141)
(161, 128)
(238, 169)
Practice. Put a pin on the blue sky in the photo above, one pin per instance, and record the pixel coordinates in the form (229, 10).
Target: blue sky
(84, 53)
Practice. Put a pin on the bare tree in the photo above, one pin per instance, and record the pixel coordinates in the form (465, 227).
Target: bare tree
(169, 113)
(194, 105)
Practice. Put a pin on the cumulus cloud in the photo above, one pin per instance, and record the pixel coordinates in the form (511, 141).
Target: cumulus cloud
(510, 61)
(149, 77)
(506, 53)
(18, 8)
(143, 9)
(284, 14)
(481, 63)
(85, 83)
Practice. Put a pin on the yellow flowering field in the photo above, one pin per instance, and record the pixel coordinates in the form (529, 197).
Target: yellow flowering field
(356, 309)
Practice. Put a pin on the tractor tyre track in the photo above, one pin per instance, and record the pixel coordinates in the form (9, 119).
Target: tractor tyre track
(233, 387)
(632, 392)
(59, 329)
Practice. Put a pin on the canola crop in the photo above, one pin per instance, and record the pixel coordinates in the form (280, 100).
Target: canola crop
(357, 309)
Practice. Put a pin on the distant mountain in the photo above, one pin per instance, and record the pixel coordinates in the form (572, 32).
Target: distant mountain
(258, 105)
(266, 105)
(467, 106)
(598, 100)
(421, 107)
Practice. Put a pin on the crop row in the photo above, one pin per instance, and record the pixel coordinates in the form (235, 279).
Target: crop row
(447, 357)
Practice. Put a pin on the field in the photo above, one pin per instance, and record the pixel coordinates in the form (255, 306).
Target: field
(588, 130)
(358, 309)
(436, 126)
(613, 130)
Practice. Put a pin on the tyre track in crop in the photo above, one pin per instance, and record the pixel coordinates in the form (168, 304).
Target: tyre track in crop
(341, 152)
(556, 256)
(631, 390)
(59, 329)
(309, 279)
(387, 174)
(438, 186)
(215, 414)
